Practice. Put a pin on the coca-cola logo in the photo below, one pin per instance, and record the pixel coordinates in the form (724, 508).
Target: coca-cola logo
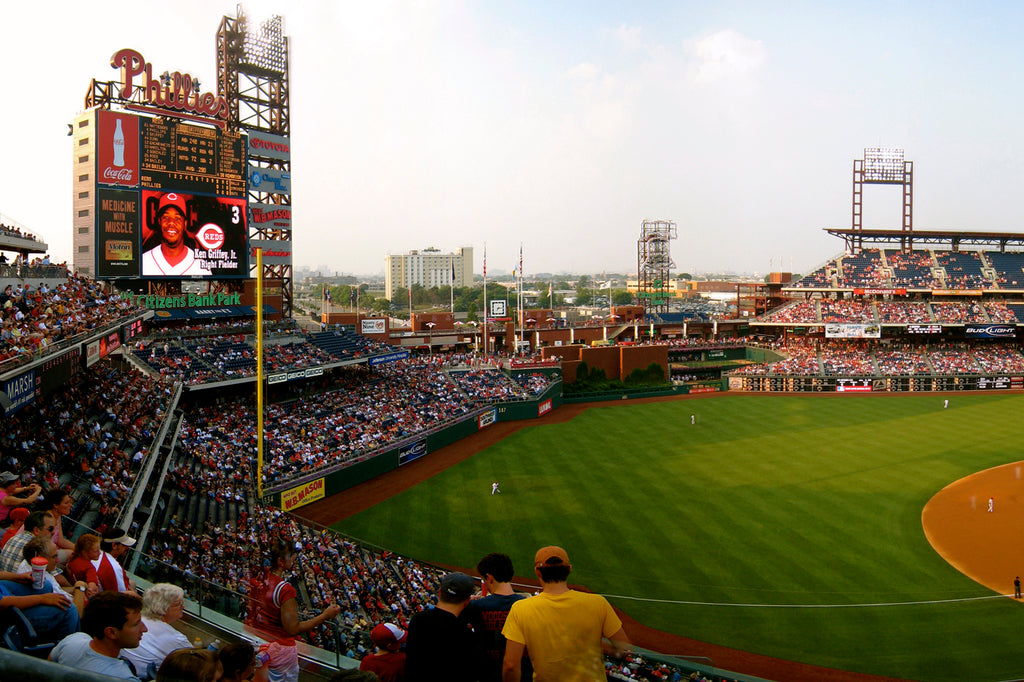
(118, 174)
(210, 236)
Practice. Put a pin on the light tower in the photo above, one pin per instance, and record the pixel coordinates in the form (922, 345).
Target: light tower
(883, 166)
(252, 72)
(654, 264)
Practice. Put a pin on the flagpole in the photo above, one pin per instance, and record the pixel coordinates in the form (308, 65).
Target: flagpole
(519, 297)
(485, 302)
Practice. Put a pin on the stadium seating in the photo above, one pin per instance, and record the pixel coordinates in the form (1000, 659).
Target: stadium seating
(1008, 267)
(864, 269)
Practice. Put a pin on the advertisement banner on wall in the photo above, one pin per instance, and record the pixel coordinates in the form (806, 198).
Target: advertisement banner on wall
(21, 391)
(487, 418)
(117, 149)
(117, 233)
(374, 326)
(388, 358)
(990, 331)
(853, 331)
(269, 146)
(270, 216)
(412, 452)
(269, 180)
(274, 252)
(302, 495)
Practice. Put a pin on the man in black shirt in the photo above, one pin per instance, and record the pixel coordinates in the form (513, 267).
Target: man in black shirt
(439, 645)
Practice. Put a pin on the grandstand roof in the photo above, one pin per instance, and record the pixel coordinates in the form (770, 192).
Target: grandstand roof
(953, 238)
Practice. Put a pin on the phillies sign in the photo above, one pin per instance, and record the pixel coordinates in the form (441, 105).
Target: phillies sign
(173, 94)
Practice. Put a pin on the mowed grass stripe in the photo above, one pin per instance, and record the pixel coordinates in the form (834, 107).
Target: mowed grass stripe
(766, 500)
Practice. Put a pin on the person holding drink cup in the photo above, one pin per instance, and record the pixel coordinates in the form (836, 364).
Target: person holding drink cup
(48, 608)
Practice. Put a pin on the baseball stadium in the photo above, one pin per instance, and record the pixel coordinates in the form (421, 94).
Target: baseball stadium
(821, 481)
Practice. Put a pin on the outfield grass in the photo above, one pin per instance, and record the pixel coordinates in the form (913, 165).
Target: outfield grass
(767, 501)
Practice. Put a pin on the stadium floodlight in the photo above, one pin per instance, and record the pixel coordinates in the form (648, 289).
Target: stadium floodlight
(883, 164)
(266, 48)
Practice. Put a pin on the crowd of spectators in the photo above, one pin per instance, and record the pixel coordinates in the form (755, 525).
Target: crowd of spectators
(844, 310)
(864, 269)
(205, 359)
(864, 357)
(958, 312)
(1009, 268)
(912, 269)
(846, 358)
(999, 312)
(953, 361)
(801, 359)
(999, 359)
(486, 385)
(534, 383)
(963, 269)
(902, 361)
(17, 231)
(94, 434)
(36, 318)
(365, 410)
(822, 278)
(798, 312)
(903, 312)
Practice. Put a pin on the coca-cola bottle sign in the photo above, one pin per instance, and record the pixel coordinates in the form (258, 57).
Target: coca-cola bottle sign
(117, 148)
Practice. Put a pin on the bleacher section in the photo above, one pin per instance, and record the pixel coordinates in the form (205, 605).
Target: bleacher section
(919, 270)
(911, 270)
(963, 269)
(342, 344)
(862, 270)
(1009, 269)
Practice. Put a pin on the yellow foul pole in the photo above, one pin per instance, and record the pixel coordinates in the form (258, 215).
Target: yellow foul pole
(259, 374)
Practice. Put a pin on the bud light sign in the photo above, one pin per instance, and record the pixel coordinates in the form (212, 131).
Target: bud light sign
(990, 331)
(20, 391)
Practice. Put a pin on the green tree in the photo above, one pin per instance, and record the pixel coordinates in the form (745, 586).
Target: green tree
(622, 297)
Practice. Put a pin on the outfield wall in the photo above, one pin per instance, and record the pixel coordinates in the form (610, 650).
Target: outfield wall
(331, 482)
(873, 384)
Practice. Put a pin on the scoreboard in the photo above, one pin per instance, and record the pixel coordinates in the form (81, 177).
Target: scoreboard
(191, 158)
(170, 199)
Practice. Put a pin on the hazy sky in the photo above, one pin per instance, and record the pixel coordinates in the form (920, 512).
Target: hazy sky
(562, 125)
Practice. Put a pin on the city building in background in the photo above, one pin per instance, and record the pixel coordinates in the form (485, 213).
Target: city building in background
(429, 268)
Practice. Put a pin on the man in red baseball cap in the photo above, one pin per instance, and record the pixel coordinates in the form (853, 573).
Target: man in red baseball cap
(388, 662)
(561, 628)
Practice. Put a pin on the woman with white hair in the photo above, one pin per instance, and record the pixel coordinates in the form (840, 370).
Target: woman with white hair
(162, 605)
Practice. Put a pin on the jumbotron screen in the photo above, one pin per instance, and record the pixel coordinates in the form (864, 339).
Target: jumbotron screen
(170, 199)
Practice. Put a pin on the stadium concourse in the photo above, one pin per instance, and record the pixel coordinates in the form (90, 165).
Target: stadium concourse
(142, 426)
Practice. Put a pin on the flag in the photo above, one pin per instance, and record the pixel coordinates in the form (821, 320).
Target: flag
(520, 259)
(485, 261)
(551, 294)
(453, 272)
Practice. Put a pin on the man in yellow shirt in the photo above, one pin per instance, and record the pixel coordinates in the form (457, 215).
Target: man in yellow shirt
(560, 628)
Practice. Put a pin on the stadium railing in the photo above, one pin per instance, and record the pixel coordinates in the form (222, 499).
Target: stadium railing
(18, 666)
